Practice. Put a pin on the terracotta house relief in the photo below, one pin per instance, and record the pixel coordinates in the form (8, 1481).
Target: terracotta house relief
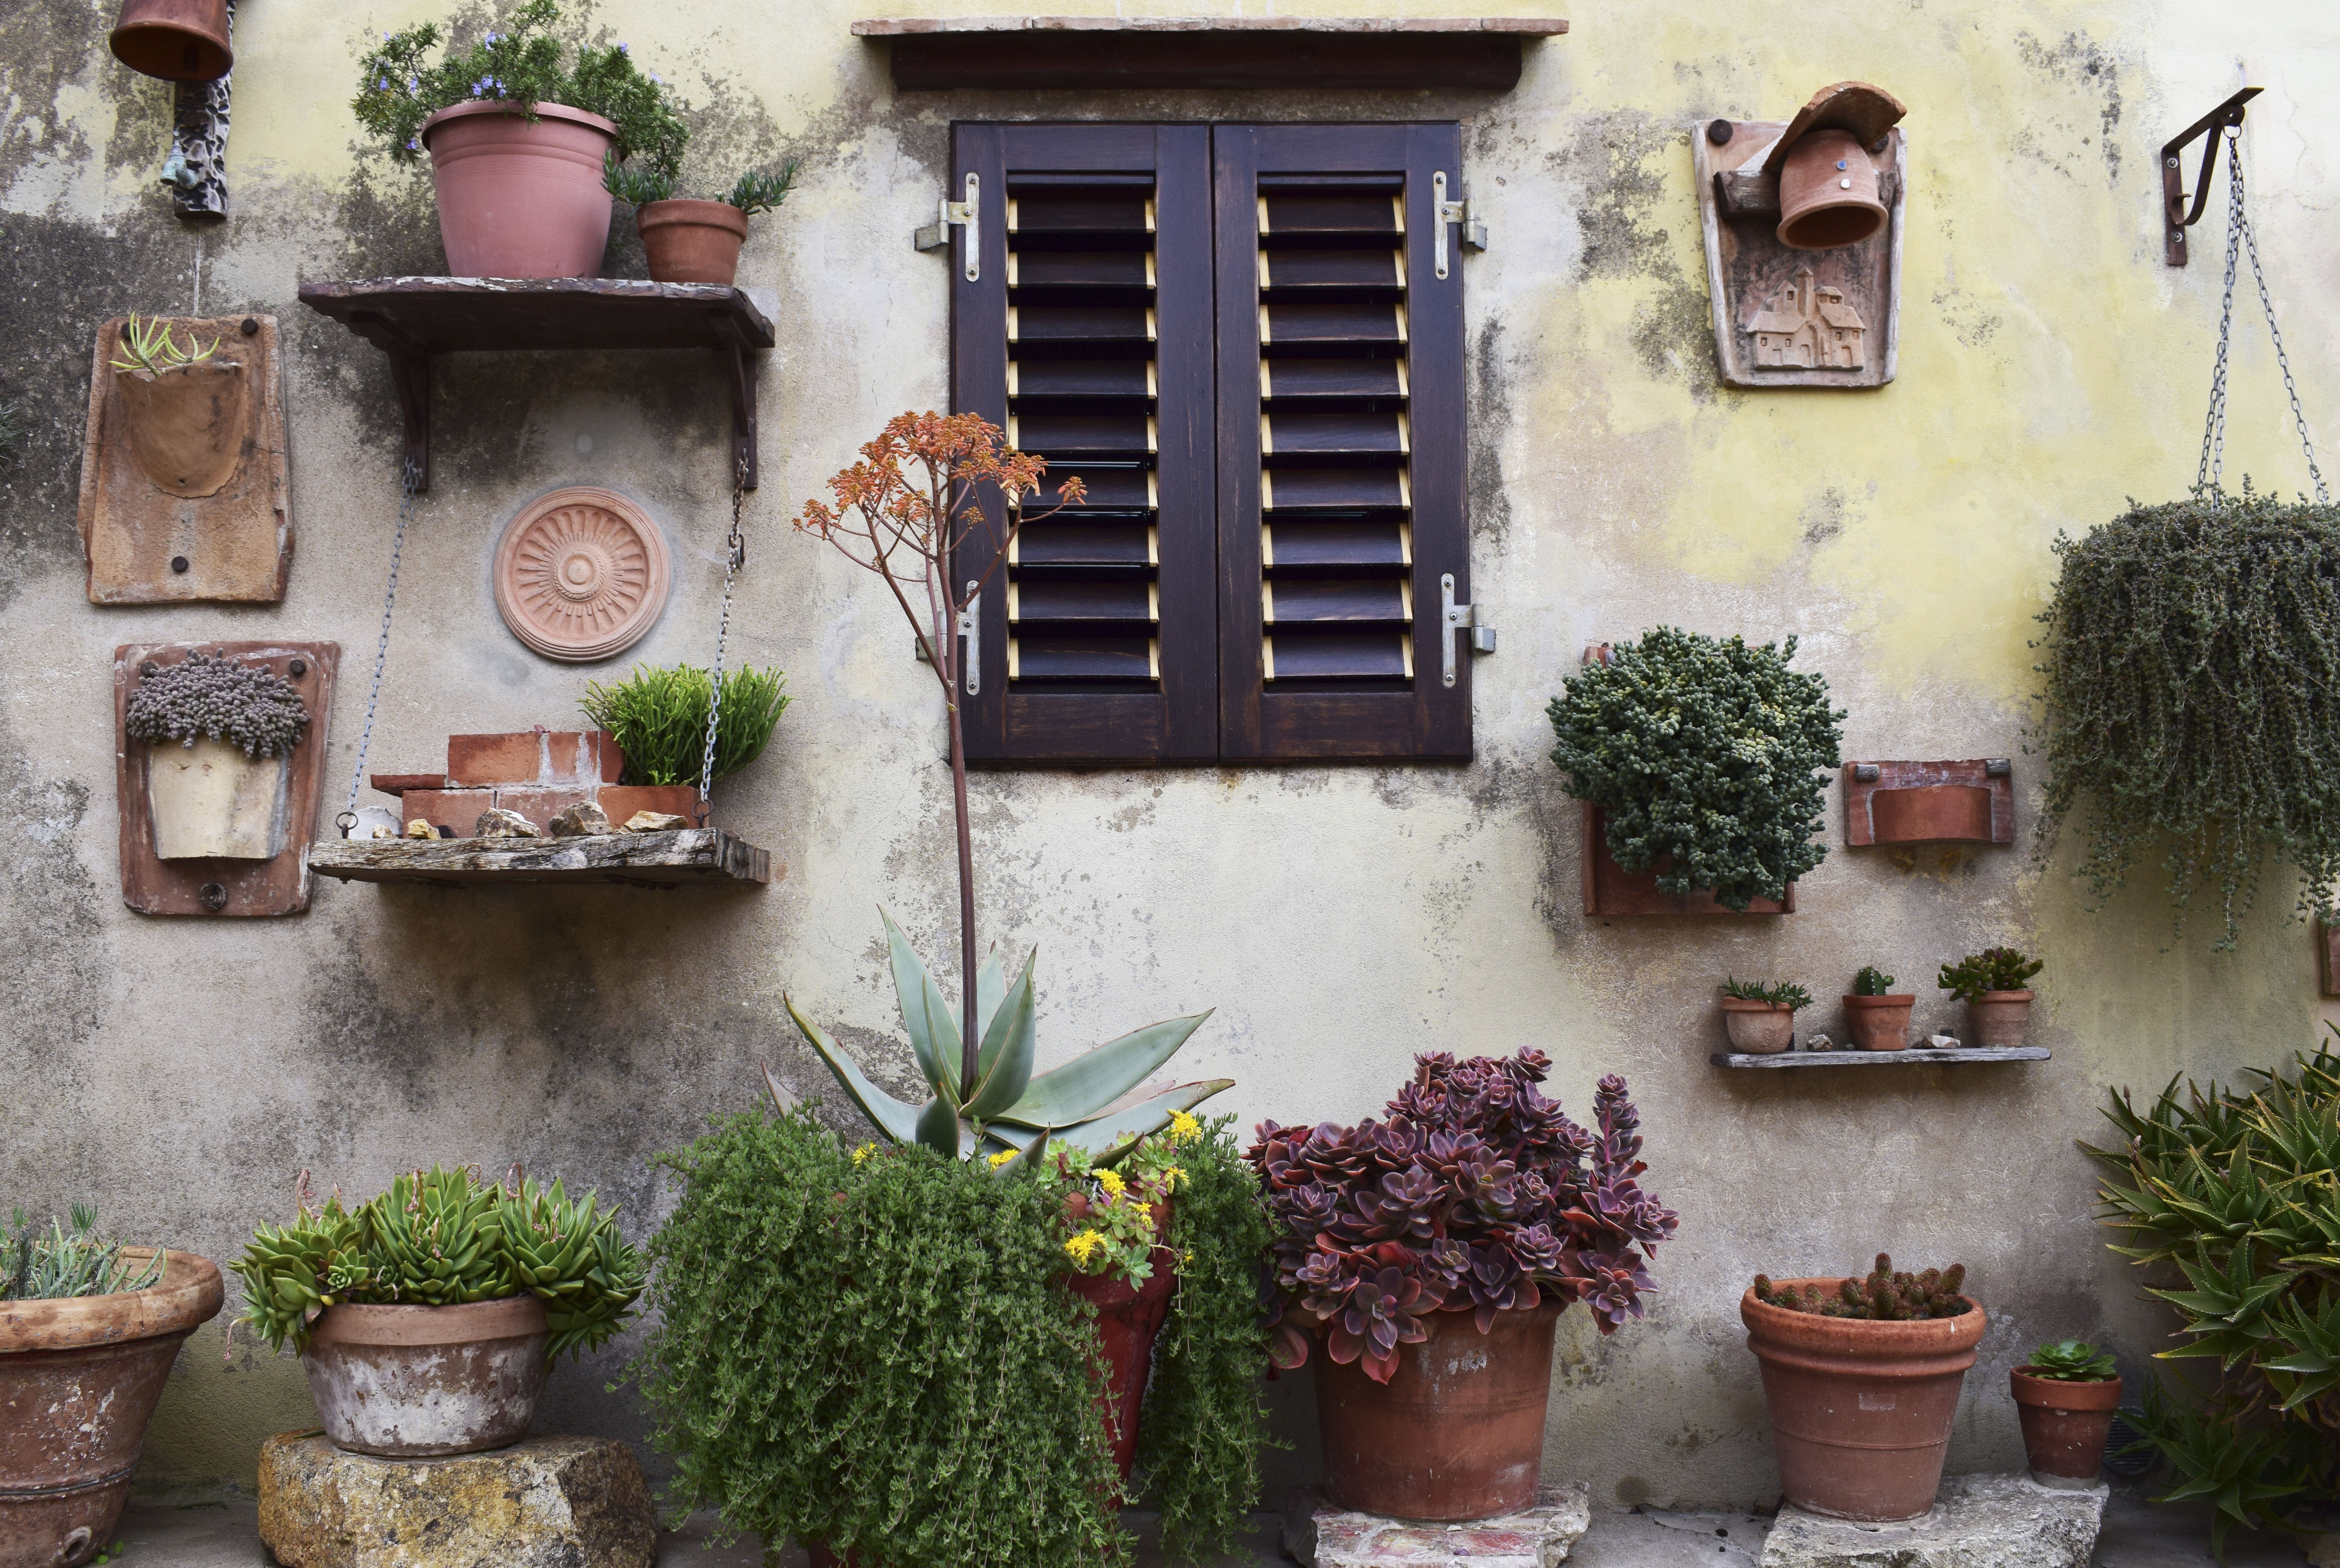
(1806, 325)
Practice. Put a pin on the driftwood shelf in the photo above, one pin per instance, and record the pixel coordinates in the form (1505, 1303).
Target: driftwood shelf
(1963, 1056)
(690, 856)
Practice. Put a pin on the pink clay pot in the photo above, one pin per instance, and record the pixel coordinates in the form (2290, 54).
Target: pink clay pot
(521, 199)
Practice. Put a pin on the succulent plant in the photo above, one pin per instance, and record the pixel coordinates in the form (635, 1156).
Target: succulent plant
(65, 1263)
(151, 348)
(1009, 1112)
(1884, 1295)
(1783, 994)
(1872, 981)
(1992, 970)
(211, 695)
(2071, 1361)
(1477, 1195)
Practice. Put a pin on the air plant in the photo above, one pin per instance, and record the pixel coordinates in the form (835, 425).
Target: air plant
(151, 348)
(1885, 1294)
(1477, 1195)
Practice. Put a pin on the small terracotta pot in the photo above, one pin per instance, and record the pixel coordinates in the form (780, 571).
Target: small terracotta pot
(187, 427)
(1860, 1409)
(2000, 1017)
(1879, 1023)
(419, 1382)
(1828, 194)
(2065, 1424)
(1758, 1028)
(692, 242)
(521, 199)
(176, 40)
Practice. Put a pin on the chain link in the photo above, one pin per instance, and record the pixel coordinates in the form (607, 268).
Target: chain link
(2240, 237)
(735, 557)
(409, 480)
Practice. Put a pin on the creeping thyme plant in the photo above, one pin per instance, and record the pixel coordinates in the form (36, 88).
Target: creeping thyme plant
(215, 697)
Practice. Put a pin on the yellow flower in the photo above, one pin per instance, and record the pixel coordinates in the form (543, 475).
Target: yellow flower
(1112, 1183)
(1002, 1158)
(863, 1152)
(1172, 1176)
(1183, 1127)
(1084, 1247)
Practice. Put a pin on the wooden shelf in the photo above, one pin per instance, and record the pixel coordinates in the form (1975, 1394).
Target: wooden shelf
(688, 857)
(1928, 1057)
(1111, 52)
(414, 319)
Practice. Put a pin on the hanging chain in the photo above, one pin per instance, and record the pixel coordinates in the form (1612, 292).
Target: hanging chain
(410, 479)
(735, 557)
(2240, 237)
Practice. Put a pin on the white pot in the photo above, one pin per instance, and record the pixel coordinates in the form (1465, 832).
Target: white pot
(209, 801)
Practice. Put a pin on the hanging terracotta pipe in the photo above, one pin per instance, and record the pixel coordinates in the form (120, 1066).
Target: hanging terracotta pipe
(176, 40)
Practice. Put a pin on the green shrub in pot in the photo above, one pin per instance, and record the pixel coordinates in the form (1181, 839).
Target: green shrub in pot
(659, 718)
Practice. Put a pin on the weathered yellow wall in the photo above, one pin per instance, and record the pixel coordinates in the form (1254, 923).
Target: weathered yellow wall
(1339, 920)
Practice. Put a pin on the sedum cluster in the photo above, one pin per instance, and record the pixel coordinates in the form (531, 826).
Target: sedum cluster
(440, 1239)
(1119, 1213)
(66, 1263)
(1785, 994)
(213, 696)
(1884, 1296)
(1477, 1195)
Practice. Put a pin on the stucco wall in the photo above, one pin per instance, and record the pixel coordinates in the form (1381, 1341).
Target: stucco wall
(180, 1072)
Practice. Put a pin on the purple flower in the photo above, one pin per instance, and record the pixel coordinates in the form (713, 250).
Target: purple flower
(622, 49)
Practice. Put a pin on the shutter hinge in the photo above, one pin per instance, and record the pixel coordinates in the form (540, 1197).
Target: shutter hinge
(1455, 619)
(970, 626)
(936, 236)
(1463, 214)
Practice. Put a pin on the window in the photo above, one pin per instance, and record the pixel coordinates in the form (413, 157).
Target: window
(1237, 336)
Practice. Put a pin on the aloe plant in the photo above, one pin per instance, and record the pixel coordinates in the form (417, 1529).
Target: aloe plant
(1007, 1114)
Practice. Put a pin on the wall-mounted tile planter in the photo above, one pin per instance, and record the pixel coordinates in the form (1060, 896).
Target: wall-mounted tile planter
(1968, 802)
(1611, 889)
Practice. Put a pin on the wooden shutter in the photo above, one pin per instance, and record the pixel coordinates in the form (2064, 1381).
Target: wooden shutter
(1086, 335)
(1340, 438)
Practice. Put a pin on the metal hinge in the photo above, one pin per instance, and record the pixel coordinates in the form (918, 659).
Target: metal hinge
(970, 625)
(1463, 215)
(1456, 618)
(935, 236)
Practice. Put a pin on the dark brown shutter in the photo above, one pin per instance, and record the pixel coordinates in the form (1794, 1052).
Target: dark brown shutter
(1340, 444)
(1087, 336)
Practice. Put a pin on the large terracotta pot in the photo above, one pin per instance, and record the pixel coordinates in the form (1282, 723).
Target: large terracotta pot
(521, 199)
(1758, 1028)
(692, 242)
(188, 427)
(209, 800)
(2065, 1424)
(1456, 1433)
(78, 1380)
(177, 40)
(2000, 1017)
(417, 1382)
(1861, 1410)
(1879, 1023)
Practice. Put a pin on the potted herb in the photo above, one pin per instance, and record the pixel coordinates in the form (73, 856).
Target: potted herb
(89, 1330)
(1705, 761)
(2066, 1395)
(694, 242)
(1991, 984)
(1862, 1378)
(658, 717)
(427, 1318)
(1877, 1015)
(517, 131)
(1433, 1254)
(221, 791)
(1761, 1020)
(184, 409)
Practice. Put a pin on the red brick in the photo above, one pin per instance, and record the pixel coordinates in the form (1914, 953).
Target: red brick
(456, 809)
(539, 805)
(513, 757)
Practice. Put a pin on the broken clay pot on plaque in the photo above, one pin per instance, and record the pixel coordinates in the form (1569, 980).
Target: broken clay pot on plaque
(2001, 1019)
(1828, 194)
(209, 801)
(1758, 1028)
(189, 427)
(1879, 1023)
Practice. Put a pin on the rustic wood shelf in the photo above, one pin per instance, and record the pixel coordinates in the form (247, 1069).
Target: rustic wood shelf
(688, 857)
(412, 320)
(1109, 52)
(1860, 1058)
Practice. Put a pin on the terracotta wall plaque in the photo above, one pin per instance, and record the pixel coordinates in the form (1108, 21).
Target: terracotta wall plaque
(185, 493)
(1611, 889)
(582, 574)
(279, 886)
(1968, 802)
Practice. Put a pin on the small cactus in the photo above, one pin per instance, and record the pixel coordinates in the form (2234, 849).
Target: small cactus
(1883, 1295)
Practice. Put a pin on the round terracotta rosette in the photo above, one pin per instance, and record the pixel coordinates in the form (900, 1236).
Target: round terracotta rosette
(582, 574)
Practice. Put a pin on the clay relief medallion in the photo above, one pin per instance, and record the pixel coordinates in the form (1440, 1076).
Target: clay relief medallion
(582, 574)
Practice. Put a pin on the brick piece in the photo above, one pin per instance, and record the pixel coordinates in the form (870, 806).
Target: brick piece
(1317, 1534)
(456, 809)
(541, 806)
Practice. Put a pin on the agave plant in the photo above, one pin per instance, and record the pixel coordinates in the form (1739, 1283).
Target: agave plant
(1007, 1114)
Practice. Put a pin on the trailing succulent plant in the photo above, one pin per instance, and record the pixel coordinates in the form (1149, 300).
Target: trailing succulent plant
(1477, 1195)
(66, 1263)
(440, 1239)
(213, 696)
(1008, 1113)
(1992, 970)
(659, 718)
(1872, 981)
(2071, 1361)
(1886, 1294)
(1709, 758)
(2229, 1196)
(1784, 994)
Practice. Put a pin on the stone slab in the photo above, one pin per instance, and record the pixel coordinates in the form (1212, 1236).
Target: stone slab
(1318, 1536)
(1976, 1522)
(543, 1503)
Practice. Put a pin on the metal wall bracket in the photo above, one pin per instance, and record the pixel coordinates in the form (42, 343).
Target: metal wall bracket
(970, 627)
(1454, 621)
(967, 215)
(1462, 215)
(196, 166)
(2175, 217)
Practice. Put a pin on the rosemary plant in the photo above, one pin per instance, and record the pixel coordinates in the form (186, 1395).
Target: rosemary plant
(659, 718)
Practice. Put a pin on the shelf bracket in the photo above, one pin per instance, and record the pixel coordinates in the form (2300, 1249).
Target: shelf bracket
(2175, 216)
(409, 373)
(744, 459)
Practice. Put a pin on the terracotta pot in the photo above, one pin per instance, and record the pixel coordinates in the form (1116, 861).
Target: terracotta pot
(1828, 194)
(1758, 1028)
(417, 1382)
(2000, 1017)
(692, 242)
(1861, 1410)
(1879, 1023)
(188, 428)
(209, 800)
(2065, 1424)
(1457, 1434)
(78, 1381)
(1128, 1320)
(519, 199)
(620, 801)
(1933, 814)
(177, 40)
